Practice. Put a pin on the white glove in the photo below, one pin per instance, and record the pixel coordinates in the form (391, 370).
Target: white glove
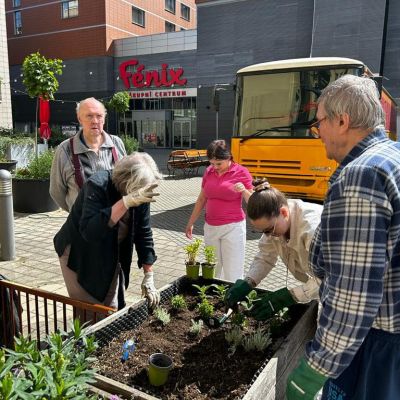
(149, 290)
(143, 195)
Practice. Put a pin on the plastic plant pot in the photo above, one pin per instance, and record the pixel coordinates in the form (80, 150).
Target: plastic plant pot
(159, 367)
(192, 271)
(208, 271)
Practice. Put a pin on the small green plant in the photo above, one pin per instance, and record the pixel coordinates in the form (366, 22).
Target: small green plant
(192, 251)
(220, 291)
(251, 298)
(196, 327)
(178, 302)
(239, 319)
(205, 309)
(234, 338)
(209, 254)
(202, 291)
(162, 315)
(60, 371)
(259, 340)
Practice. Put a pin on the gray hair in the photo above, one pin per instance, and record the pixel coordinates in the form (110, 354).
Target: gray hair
(134, 172)
(356, 96)
(78, 105)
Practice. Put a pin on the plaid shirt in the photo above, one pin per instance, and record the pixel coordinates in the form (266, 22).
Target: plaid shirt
(356, 253)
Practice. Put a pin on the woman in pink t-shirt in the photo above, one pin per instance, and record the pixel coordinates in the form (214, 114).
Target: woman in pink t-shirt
(224, 185)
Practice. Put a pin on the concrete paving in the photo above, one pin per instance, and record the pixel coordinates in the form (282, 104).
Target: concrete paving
(36, 264)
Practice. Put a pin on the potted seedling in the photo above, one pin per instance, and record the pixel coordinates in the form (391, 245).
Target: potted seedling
(192, 265)
(208, 267)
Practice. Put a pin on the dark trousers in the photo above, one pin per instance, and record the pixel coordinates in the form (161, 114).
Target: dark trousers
(374, 373)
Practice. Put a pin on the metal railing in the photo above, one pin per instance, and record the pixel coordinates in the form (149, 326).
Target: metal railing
(36, 313)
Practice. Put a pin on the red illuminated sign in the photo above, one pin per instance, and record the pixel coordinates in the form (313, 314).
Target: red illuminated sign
(134, 75)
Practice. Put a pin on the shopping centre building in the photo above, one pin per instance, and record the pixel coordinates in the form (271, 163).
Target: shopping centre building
(171, 72)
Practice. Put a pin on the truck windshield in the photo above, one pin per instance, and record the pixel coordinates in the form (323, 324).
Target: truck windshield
(265, 101)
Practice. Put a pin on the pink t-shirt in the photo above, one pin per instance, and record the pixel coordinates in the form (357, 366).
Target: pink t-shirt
(223, 204)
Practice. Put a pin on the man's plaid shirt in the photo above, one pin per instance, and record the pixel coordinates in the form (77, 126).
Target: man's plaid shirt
(356, 253)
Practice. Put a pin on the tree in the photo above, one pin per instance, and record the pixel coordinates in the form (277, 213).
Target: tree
(120, 103)
(39, 78)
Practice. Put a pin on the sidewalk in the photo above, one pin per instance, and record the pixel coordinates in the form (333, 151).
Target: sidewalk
(36, 263)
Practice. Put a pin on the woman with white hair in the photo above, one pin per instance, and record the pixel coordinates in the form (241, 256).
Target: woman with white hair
(110, 215)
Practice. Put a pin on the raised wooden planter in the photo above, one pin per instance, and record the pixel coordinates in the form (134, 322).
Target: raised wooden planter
(268, 383)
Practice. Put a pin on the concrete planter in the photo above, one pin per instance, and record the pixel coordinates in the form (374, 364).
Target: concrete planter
(268, 383)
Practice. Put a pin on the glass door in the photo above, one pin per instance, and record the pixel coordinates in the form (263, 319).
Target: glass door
(181, 133)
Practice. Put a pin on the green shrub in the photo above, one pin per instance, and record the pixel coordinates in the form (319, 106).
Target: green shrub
(178, 302)
(205, 309)
(131, 144)
(39, 167)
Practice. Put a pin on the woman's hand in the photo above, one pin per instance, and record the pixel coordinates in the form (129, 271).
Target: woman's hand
(143, 195)
(239, 187)
(189, 231)
(149, 290)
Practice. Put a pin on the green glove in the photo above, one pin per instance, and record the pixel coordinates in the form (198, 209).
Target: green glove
(237, 292)
(270, 303)
(304, 382)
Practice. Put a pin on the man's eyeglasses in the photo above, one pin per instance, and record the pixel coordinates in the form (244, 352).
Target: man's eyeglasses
(270, 231)
(314, 128)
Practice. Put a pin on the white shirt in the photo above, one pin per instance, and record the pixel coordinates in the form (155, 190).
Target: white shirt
(304, 219)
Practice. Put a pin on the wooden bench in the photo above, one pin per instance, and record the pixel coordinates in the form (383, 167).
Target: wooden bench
(187, 161)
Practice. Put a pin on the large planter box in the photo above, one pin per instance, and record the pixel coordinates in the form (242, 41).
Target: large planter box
(269, 381)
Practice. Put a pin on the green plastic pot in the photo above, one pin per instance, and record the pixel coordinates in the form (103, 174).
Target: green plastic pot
(208, 271)
(159, 366)
(192, 271)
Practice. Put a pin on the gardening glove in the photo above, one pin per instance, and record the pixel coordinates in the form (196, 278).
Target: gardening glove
(143, 195)
(304, 382)
(237, 292)
(269, 304)
(149, 290)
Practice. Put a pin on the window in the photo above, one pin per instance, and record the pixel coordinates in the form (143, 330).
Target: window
(16, 3)
(69, 9)
(185, 12)
(169, 27)
(170, 6)
(138, 16)
(17, 23)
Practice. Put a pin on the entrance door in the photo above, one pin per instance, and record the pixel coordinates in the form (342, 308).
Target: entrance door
(181, 133)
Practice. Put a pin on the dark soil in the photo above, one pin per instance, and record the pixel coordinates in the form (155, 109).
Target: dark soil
(203, 368)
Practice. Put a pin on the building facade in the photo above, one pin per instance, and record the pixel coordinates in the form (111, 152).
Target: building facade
(5, 96)
(172, 77)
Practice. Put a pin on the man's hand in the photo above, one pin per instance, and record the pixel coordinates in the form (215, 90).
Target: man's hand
(304, 382)
(237, 292)
(270, 303)
(149, 290)
(143, 195)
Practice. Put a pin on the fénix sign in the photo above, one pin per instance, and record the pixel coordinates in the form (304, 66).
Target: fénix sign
(162, 93)
(134, 75)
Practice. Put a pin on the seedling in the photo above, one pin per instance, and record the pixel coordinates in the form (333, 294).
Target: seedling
(251, 298)
(205, 309)
(259, 340)
(239, 319)
(202, 290)
(178, 302)
(192, 251)
(209, 255)
(220, 291)
(234, 338)
(162, 315)
(196, 327)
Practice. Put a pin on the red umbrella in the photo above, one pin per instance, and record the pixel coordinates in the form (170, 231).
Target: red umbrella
(44, 115)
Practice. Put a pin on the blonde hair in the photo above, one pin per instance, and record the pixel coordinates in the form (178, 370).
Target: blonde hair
(134, 172)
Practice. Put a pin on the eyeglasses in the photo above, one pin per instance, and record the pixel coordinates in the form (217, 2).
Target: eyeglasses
(314, 128)
(270, 231)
